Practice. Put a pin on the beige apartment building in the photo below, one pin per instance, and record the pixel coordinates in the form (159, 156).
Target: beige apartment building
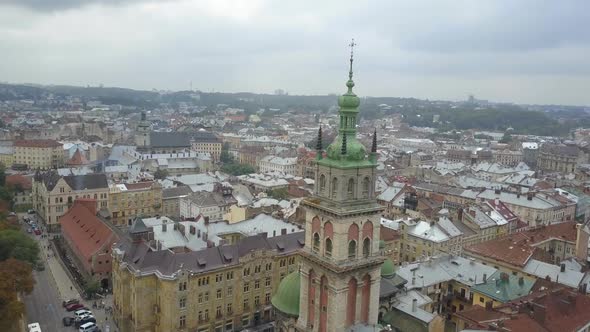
(39, 153)
(227, 288)
(128, 200)
(206, 142)
(53, 194)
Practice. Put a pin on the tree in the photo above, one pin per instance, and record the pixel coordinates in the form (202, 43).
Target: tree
(238, 169)
(15, 244)
(161, 174)
(279, 194)
(15, 277)
(225, 156)
(507, 138)
(91, 286)
(2, 175)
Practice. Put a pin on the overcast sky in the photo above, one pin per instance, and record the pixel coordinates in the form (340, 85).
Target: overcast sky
(514, 50)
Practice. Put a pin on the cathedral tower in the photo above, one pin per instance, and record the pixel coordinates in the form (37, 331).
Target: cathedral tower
(142, 134)
(340, 268)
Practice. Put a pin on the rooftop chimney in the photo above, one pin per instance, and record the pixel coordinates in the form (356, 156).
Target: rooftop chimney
(485, 277)
(521, 281)
(413, 280)
(414, 305)
(562, 267)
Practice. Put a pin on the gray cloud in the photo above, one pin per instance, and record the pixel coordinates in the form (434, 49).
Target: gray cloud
(523, 51)
(58, 5)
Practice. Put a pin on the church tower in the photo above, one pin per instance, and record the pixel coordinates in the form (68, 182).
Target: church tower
(142, 133)
(341, 264)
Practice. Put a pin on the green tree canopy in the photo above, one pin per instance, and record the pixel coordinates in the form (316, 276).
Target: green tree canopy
(238, 169)
(160, 174)
(16, 244)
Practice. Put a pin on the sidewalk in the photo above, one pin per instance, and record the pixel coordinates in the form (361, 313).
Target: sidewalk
(65, 287)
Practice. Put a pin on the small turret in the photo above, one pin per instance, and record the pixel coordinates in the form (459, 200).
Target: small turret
(319, 144)
(343, 151)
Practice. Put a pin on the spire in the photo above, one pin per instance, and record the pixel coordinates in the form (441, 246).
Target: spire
(319, 144)
(374, 146)
(343, 151)
(350, 83)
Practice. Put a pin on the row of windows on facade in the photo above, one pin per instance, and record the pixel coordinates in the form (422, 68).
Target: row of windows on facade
(71, 200)
(353, 237)
(350, 189)
(352, 247)
(229, 324)
(204, 281)
(182, 303)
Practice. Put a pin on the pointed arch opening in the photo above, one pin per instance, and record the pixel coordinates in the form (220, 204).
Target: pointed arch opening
(351, 249)
(322, 183)
(366, 186)
(350, 189)
(334, 187)
(366, 298)
(328, 251)
(366, 247)
(316, 242)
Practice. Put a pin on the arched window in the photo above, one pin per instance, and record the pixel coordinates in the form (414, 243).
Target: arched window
(328, 247)
(351, 188)
(316, 242)
(352, 249)
(366, 247)
(322, 183)
(366, 184)
(334, 187)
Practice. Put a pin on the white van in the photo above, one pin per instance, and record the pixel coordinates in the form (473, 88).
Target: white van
(82, 312)
(34, 327)
(88, 327)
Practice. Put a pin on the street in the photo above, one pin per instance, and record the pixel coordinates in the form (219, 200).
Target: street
(53, 285)
(43, 305)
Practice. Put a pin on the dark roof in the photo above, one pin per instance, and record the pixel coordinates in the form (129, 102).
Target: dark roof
(169, 140)
(138, 227)
(176, 192)
(88, 181)
(140, 257)
(558, 149)
(204, 136)
(38, 143)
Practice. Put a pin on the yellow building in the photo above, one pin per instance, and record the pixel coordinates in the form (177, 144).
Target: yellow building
(53, 194)
(128, 200)
(6, 154)
(206, 142)
(223, 288)
(39, 153)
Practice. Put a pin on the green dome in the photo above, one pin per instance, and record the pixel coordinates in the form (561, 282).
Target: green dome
(387, 269)
(355, 151)
(286, 299)
(381, 244)
(349, 99)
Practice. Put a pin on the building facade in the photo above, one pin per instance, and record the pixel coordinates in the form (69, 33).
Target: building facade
(558, 158)
(39, 153)
(227, 288)
(53, 195)
(270, 164)
(206, 142)
(128, 200)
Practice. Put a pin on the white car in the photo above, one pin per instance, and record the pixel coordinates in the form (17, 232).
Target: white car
(82, 312)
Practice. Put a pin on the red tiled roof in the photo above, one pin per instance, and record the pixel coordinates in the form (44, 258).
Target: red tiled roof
(25, 182)
(87, 232)
(38, 143)
(517, 248)
(77, 159)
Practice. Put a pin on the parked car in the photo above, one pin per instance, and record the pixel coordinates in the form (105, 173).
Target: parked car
(74, 306)
(68, 321)
(31, 211)
(70, 301)
(37, 231)
(88, 327)
(29, 230)
(84, 320)
(82, 312)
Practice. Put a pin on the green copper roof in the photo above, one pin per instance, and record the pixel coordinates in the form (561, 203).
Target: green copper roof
(503, 287)
(286, 299)
(387, 269)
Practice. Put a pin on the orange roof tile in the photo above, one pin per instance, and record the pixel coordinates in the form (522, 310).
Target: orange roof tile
(85, 229)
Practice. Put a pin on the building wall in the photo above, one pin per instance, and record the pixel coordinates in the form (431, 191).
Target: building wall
(39, 157)
(171, 207)
(213, 148)
(126, 205)
(50, 205)
(7, 159)
(151, 303)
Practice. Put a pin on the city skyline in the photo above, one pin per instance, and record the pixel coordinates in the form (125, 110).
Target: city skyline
(498, 50)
